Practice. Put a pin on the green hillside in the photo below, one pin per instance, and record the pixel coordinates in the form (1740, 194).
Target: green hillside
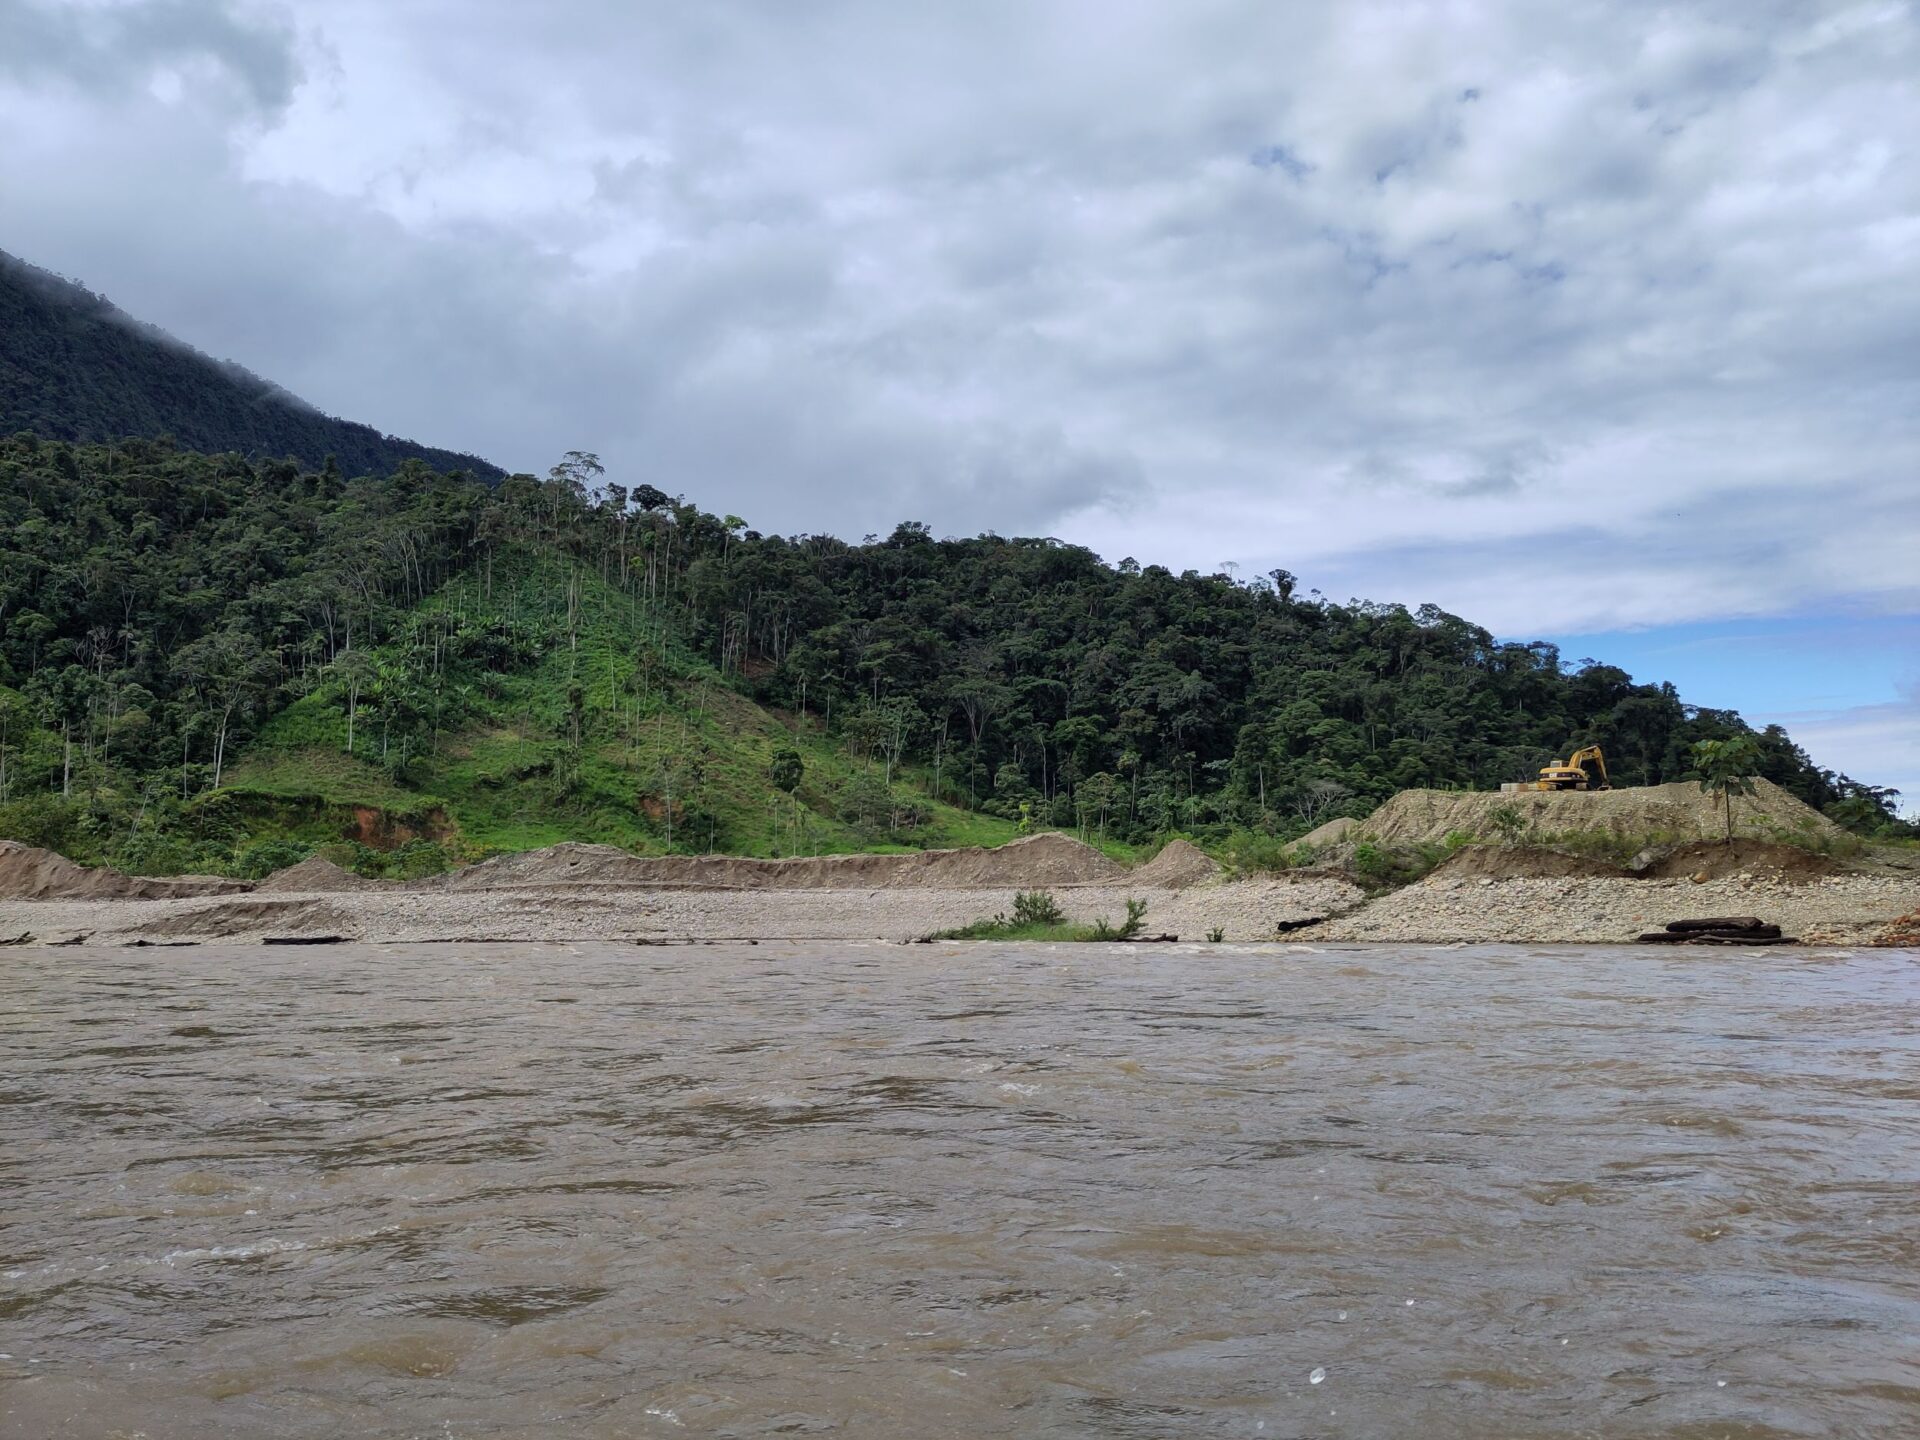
(186, 641)
(558, 708)
(74, 367)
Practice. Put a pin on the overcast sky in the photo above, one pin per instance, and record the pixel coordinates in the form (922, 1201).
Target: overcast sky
(1575, 319)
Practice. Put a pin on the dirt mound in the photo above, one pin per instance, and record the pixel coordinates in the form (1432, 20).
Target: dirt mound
(262, 920)
(1677, 813)
(1177, 866)
(27, 873)
(1331, 833)
(315, 876)
(1522, 862)
(1757, 858)
(1047, 859)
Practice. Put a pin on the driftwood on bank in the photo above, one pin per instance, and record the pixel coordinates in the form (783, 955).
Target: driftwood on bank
(1718, 930)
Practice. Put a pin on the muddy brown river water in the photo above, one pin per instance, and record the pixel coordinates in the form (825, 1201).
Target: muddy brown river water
(480, 1191)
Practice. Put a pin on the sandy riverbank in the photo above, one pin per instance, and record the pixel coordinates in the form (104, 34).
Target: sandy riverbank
(1834, 910)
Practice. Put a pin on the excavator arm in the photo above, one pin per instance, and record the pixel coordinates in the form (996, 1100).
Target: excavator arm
(1593, 761)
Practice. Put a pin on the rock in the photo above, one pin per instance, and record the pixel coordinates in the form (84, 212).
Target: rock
(1700, 877)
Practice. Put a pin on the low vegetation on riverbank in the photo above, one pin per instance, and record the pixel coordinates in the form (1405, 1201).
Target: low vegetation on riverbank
(1038, 916)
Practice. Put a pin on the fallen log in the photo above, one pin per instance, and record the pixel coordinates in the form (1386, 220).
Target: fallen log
(1732, 922)
(1282, 927)
(1765, 935)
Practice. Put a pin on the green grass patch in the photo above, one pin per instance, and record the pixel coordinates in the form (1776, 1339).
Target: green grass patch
(598, 725)
(1036, 917)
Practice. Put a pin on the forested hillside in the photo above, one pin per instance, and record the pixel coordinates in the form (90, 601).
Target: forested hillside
(210, 663)
(73, 367)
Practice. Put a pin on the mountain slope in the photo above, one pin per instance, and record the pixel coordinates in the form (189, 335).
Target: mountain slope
(564, 709)
(212, 665)
(74, 367)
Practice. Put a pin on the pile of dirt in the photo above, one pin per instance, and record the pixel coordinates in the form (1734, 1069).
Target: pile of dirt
(570, 863)
(315, 876)
(1680, 812)
(1522, 862)
(253, 920)
(1785, 864)
(1331, 833)
(1177, 866)
(28, 873)
(1034, 860)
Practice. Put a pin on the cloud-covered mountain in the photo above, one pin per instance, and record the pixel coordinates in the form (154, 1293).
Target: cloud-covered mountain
(75, 367)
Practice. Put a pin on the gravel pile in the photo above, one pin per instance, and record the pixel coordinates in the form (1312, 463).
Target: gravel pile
(1177, 866)
(1681, 811)
(314, 876)
(1834, 910)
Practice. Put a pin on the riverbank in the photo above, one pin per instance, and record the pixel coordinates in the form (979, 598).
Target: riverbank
(1845, 909)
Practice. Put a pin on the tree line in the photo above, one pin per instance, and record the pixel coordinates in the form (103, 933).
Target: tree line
(157, 604)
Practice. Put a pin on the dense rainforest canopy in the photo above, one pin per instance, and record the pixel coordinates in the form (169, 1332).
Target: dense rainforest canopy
(74, 367)
(164, 612)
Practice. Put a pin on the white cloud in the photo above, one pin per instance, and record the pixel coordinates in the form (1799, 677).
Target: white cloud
(1564, 317)
(1877, 742)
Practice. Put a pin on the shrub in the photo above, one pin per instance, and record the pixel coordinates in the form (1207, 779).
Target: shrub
(417, 859)
(1130, 927)
(1036, 907)
(1509, 822)
(263, 857)
(1253, 850)
(1372, 863)
(48, 822)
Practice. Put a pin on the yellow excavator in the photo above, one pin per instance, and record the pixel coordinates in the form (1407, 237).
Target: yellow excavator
(1584, 769)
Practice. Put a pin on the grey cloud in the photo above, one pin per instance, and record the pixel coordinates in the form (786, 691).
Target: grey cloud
(106, 48)
(1283, 159)
(1117, 272)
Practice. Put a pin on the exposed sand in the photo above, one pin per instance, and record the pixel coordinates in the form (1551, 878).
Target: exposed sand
(1248, 911)
(1835, 910)
(597, 892)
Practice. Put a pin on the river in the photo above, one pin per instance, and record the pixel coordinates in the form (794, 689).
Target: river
(485, 1191)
